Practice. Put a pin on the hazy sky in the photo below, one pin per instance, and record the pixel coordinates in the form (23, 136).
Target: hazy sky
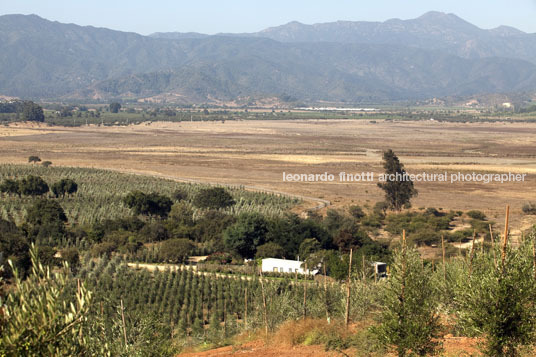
(212, 16)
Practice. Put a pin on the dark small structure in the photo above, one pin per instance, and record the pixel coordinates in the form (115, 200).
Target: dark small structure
(380, 269)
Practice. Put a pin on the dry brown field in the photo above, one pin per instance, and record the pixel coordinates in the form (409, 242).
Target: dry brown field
(256, 153)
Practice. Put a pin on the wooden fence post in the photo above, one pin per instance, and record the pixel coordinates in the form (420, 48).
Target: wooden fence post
(347, 317)
(505, 242)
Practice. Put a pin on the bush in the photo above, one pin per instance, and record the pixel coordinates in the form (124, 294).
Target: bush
(103, 249)
(356, 212)
(176, 250)
(220, 258)
(529, 208)
(474, 214)
(498, 300)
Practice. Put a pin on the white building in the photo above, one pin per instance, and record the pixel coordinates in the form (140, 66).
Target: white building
(274, 265)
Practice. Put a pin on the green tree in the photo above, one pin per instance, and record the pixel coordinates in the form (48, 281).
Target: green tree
(309, 246)
(33, 186)
(213, 197)
(32, 112)
(10, 187)
(176, 250)
(181, 220)
(270, 250)
(246, 234)
(63, 187)
(33, 159)
(148, 204)
(46, 219)
(409, 320)
(14, 247)
(350, 236)
(398, 187)
(498, 300)
(115, 107)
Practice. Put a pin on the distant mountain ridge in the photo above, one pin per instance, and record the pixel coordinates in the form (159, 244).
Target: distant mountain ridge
(433, 30)
(434, 55)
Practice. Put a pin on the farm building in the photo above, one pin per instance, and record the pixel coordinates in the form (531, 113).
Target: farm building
(285, 266)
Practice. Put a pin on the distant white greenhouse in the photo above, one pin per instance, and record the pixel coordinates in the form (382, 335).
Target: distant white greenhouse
(274, 265)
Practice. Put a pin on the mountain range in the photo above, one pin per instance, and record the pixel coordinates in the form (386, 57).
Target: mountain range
(435, 55)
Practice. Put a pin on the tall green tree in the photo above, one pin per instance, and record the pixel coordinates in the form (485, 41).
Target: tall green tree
(32, 112)
(246, 234)
(115, 107)
(409, 321)
(398, 187)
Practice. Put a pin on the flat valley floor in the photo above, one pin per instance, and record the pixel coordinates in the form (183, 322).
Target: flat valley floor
(256, 153)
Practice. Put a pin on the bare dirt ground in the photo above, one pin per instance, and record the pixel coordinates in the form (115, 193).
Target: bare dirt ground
(452, 346)
(257, 153)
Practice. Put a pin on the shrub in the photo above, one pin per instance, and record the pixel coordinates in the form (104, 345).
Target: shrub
(498, 300)
(356, 212)
(34, 159)
(220, 258)
(176, 250)
(529, 208)
(103, 249)
(476, 215)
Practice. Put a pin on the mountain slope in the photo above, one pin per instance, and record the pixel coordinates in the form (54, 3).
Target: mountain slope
(331, 71)
(40, 58)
